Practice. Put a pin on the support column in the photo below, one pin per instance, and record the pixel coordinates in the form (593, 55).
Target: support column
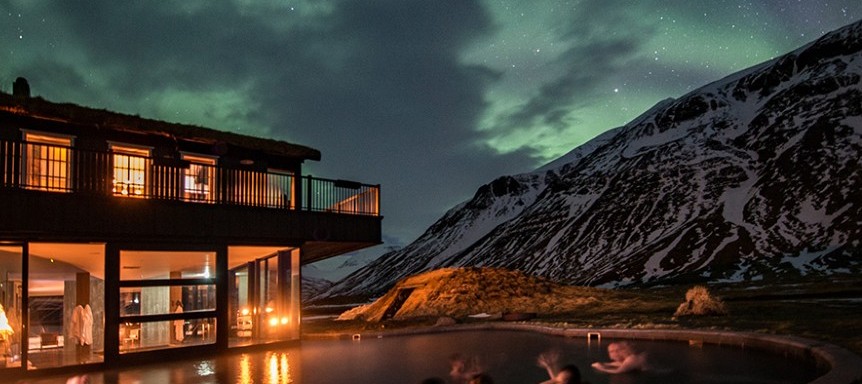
(223, 283)
(295, 294)
(177, 333)
(112, 305)
(254, 300)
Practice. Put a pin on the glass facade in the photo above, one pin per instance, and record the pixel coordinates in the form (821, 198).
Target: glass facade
(53, 298)
(160, 265)
(159, 284)
(264, 295)
(65, 302)
(153, 335)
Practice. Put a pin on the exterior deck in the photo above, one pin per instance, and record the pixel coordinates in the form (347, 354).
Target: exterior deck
(330, 217)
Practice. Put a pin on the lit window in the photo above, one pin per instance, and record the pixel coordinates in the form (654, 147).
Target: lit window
(46, 165)
(199, 178)
(130, 170)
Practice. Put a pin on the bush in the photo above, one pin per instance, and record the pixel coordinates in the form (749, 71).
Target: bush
(699, 302)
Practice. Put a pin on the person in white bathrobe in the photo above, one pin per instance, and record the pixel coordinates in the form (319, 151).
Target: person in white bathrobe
(179, 335)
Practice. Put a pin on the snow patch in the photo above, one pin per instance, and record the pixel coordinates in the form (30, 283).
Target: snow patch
(804, 261)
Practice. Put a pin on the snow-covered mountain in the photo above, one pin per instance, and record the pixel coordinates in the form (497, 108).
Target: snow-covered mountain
(313, 286)
(336, 268)
(755, 176)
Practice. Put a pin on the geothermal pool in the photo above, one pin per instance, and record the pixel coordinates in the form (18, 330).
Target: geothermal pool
(508, 356)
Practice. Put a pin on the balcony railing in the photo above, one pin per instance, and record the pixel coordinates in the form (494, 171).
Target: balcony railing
(61, 169)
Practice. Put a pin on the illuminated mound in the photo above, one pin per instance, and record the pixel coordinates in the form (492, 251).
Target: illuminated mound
(461, 292)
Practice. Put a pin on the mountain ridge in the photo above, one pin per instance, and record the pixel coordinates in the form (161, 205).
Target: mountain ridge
(753, 176)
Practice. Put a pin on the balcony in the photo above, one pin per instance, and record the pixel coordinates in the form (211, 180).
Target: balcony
(130, 175)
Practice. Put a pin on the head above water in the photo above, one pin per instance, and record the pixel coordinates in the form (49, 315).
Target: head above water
(618, 351)
(569, 374)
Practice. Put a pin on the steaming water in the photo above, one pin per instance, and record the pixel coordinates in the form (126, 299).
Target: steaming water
(508, 356)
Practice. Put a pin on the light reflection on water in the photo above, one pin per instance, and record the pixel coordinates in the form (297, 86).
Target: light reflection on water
(275, 368)
(509, 357)
(205, 368)
(245, 369)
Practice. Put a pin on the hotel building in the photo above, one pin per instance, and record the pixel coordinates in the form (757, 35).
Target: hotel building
(127, 239)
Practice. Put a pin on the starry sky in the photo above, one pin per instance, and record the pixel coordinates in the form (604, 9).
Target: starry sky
(431, 99)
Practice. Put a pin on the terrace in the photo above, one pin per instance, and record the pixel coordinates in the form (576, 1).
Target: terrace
(123, 173)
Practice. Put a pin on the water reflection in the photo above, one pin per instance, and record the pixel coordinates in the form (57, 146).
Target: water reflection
(279, 369)
(509, 357)
(245, 369)
(205, 368)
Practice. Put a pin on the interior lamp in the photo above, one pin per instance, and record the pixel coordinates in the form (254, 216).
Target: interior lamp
(5, 331)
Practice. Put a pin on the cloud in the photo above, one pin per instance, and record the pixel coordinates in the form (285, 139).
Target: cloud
(376, 86)
(428, 98)
(596, 49)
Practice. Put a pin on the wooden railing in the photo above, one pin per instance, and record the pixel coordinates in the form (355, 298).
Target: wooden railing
(62, 169)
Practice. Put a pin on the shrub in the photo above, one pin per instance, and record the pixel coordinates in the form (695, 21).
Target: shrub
(699, 302)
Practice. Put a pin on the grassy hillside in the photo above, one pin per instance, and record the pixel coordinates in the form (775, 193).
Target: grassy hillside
(830, 311)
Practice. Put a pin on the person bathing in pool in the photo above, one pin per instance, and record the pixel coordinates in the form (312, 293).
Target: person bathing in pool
(568, 374)
(623, 359)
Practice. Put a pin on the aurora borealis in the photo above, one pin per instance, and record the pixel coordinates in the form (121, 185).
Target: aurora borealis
(430, 99)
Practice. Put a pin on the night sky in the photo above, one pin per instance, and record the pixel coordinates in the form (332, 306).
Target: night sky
(430, 99)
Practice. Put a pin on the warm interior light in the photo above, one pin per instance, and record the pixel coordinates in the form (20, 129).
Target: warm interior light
(130, 168)
(244, 311)
(273, 321)
(47, 161)
(284, 320)
(5, 329)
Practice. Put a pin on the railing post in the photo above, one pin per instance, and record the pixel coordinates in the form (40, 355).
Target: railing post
(308, 193)
(4, 175)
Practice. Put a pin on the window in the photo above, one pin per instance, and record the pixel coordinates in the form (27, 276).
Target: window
(263, 291)
(65, 300)
(160, 265)
(199, 178)
(167, 299)
(130, 170)
(46, 165)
